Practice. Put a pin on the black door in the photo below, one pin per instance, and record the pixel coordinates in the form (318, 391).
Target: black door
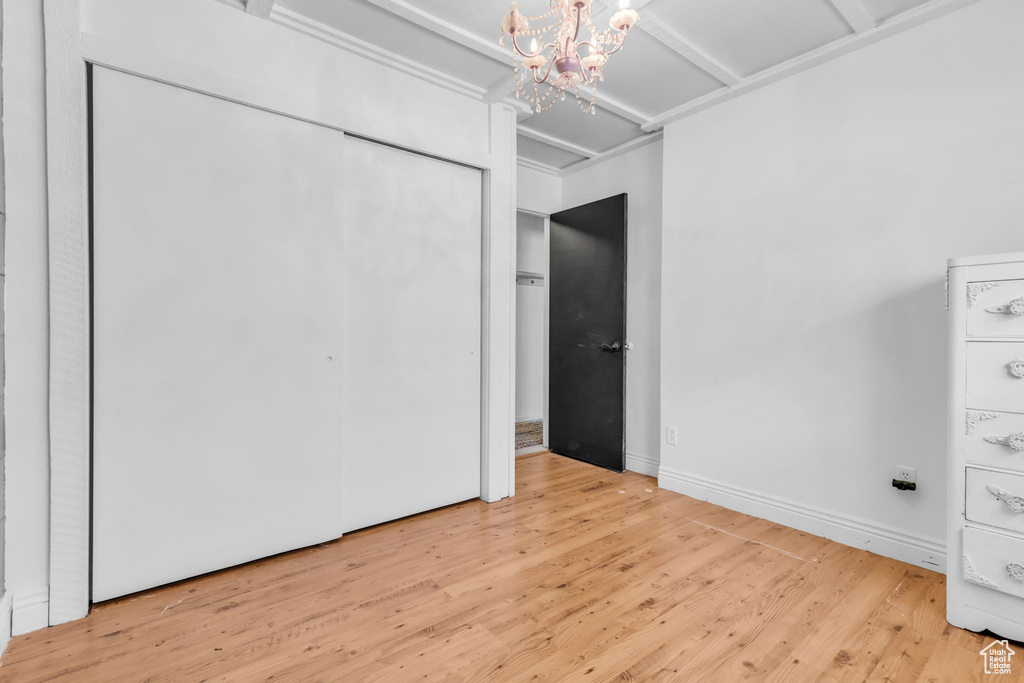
(587, 361)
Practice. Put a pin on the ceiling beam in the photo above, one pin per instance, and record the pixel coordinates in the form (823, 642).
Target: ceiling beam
(538, 166)
(557, 142)
(624, 148)
(855, 14)
(448, 30)
(616, 107)
(259, 8)
(666, 35)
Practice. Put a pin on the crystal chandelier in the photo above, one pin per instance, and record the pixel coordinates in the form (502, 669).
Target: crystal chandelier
(562, 52)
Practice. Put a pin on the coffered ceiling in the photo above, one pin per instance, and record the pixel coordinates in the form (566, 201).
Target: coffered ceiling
(681, 58)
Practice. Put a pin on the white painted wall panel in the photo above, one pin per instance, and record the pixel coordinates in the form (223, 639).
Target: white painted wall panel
(537, 191)
(412, 333)
(26, 401)
(807, 227)
(218, 334)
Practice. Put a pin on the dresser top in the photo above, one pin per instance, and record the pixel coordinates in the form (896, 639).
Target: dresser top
(1011, 257)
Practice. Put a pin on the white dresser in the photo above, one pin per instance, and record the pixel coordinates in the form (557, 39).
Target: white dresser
(985, 524)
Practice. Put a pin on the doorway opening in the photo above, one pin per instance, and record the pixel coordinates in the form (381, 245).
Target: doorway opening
(571, 333)
(531, 350)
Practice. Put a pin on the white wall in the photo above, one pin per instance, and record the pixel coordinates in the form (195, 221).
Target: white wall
(637, 173)
(397, 106)
(5, 596)
(806, 231)
(531, 257)
(538, 192)
(26, 325)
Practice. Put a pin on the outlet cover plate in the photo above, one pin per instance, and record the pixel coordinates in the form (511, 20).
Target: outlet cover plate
(908, 474)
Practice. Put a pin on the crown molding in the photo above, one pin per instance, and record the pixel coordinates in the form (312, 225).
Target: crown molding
(332, 36)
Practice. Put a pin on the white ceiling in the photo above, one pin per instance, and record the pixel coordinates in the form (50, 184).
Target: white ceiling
(682, 57)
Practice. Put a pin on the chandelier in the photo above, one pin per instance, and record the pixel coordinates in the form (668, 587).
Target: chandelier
(562, 52)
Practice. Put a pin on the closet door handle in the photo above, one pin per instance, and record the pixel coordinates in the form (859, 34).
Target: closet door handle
(1015, 307)
(1015, 571)
(1016, 368)
(1014, 441)
(614, 348)
(1015, 503)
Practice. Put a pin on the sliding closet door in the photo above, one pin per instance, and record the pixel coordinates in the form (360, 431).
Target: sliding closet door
(412, 333)
(217, 334)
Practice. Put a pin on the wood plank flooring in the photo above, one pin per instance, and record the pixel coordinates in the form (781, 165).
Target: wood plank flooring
(586, 575)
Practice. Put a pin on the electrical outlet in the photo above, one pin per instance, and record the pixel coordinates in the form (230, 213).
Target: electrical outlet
(907, 474)
(672, 436)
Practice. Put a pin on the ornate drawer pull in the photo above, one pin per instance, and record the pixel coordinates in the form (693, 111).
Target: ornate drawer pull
(1014, 441)
(1016, 368)
(1015, 571)
(1015, 307)
(1015, 503)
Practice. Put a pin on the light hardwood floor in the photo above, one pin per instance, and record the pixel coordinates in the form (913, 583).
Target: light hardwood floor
(585, 575)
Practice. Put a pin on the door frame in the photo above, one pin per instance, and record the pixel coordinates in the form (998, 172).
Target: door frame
(68, 55)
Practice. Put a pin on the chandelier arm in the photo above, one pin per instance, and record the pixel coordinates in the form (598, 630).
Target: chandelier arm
(551, 63)
(619, 46)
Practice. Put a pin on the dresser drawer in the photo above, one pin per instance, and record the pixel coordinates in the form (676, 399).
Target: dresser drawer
(994, 561)
(995, 498)
(995, 368)
(995, 439)
(983, 296)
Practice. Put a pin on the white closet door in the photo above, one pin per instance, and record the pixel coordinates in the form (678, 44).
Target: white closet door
(218, 334)
(412, 333)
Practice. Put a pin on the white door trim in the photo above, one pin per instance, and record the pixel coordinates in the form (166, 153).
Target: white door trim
(68, 52)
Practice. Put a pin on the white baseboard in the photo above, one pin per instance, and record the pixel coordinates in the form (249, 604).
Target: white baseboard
(852, 531)
(5, 621)
(30, 610)
(526, 418)
(641, 464)
(530, 450)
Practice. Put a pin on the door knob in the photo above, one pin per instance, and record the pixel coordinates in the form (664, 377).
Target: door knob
(613, 348)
